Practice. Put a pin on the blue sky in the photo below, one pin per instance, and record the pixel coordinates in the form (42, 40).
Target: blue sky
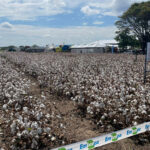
(28, 22)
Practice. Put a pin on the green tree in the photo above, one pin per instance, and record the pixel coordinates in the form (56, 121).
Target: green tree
(11, 48)
(135, 19)
(125, 39)
(35, 46)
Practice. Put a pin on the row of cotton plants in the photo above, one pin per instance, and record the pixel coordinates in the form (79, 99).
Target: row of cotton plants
(27, 123)
(108, 88)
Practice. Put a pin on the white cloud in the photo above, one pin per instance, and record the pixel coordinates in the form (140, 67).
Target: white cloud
(29, 35)
(107, 7)
(47, 35)
(30, 9)
(121, 6)
(85, 24)
(90, 11)
(6, 25)
(98, 22)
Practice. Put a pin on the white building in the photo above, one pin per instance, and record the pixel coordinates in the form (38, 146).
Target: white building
(95, 47)
(49, 48)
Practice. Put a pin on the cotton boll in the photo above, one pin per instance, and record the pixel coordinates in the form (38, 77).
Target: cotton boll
(62, 126)
(19, 135)
(39, 130)
(34, 143)
(10, 102)
(13, 140)
(23, 92)
(120, 109)
(144, 112)
(8, 95)
(133, 89)
(26, 120)
(67, 93)
(105, 114)
(25, 132)
(135, 123)
(58, 116)
(17, 107)
(135, 102)
(115, 121)
(136, 117)
(89, 110)
(25, 109)
(47, 130)
(144, 106)
(103, 117)
(53, 138)
(110, 114)
(13, 127)
(34, 125)
(102, 105)
(42, 106)
(37, 137)
(47, 115)
(4, 106)
(39, 115)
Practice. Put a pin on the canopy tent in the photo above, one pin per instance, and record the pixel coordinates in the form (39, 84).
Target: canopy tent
(101, 43)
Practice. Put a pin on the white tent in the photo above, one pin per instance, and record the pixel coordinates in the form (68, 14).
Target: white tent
(101, 43)
(49, 48)
(94, 47)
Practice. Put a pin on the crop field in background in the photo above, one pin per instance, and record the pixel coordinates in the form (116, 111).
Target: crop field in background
(49, 99)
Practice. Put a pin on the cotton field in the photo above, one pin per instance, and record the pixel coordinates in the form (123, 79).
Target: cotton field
(108, 89)
(24, 119)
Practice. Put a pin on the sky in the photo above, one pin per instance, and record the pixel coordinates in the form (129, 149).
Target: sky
(42, 22)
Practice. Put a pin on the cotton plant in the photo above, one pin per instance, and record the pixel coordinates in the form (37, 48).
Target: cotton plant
(109, 88)
(25, 117)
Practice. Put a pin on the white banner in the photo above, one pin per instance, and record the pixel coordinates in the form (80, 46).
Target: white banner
(108, 138)
(148, 51)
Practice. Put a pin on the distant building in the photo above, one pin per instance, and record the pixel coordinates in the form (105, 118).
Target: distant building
(95, 47)
(13, 49)
(112, 47)
(50, 48)
(89, 48)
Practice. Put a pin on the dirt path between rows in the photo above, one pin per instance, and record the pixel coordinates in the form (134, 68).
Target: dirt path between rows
(77, 128)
